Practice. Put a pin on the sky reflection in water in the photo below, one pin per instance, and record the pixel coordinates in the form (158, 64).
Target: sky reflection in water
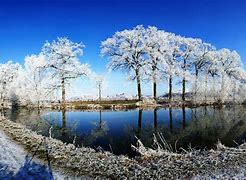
(116, 130)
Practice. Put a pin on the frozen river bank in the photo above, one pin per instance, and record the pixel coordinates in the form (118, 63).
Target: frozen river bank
(13, 158)
(221, 162)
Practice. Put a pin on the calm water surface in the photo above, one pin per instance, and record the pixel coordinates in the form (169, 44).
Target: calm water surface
(117, 130)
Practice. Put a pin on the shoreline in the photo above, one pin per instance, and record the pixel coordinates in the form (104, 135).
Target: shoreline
(157, 164)
(126, 105)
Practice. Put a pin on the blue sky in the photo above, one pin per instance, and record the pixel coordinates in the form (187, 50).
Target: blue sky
(26, 24)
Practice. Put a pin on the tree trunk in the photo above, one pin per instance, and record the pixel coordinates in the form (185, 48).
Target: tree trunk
(100, 93)
(183, 82)
(154, 68)
(183, 90)
(38, 107)
(170, 87)
(154, 90)
(4, 95)
(139, 85)
(63, 92)
(195, 88)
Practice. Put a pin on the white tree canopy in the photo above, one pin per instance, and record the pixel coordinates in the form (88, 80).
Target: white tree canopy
(62, 56)
(143, 53)
(126, 50)
(8, 73)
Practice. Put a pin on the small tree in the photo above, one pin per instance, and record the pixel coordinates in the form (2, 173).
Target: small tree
(35, 77)
(8, 73)
(63, 63)
(211, 70)
(163, 49)
(169, 65)
(126, 51)
(153, 49)
(187, 46)
(226, 65)
(230, 64)
(100, 82)
(201, 62)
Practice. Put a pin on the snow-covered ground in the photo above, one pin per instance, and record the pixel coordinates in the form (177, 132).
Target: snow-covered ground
(11, 154)
(13, 157)
(237, 172)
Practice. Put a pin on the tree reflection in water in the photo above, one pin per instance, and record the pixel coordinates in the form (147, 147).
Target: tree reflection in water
(98, 131)
(64, 122)
(138, 132)
(184, 116)
(201, 127)
(155, 118)
(171, 119)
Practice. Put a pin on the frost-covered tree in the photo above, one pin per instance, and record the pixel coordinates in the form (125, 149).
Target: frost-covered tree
(228, 64)
(8, 74)
(211, 71)
(162, 49)
(237, 78)
(156, 48)
(187, 46)
(201, 62)
(170, 66)
(36, 78)
(143, 53)
(100, 83)
(232, 66)
(62, 56)
(126, 50)
(239, 86)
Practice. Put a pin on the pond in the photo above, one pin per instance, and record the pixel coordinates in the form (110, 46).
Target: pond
(115, 131)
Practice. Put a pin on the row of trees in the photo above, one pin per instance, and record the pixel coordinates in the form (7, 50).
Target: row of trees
(146, 54)
(156, 55)
(44, 74)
